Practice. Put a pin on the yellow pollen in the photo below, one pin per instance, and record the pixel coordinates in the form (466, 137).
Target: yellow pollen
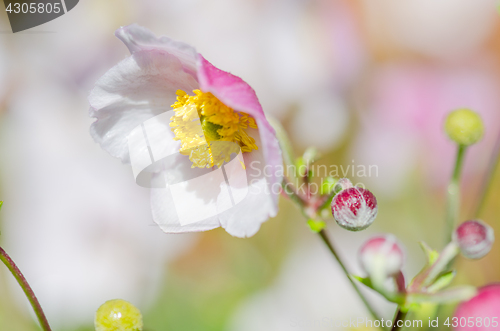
(202, 117)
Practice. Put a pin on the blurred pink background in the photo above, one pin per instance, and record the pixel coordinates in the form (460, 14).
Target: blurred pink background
(367, 82)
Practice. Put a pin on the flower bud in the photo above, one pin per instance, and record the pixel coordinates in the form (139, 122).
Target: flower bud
(382, 253)
(475, 239)
(483, 309)
(118, 315)
(354, 208)
(464, 127)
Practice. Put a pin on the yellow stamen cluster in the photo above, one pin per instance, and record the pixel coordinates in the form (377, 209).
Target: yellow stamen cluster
(203, 118)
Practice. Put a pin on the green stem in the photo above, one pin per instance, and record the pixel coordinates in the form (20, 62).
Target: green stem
(453, 194)
(327, 200)
(329, 244)
(302, 205)
(400, 316)
(488, 179)
(5, 258)
(289, 191)
(284, 141)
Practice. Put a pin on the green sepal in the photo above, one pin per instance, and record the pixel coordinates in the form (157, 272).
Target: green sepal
(327, 185)
(310, 174)
(284, 141)
(442, 281)
(300, 167)
(430, 273)
(316, 226)
(421, 311)
(398, 298)
(364, 280)
(303, 163)
(431, 254)
(455, 294)
(311, 155)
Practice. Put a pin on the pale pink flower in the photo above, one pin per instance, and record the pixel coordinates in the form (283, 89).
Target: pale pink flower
(144, 85)
(383, 252)
(482, 312)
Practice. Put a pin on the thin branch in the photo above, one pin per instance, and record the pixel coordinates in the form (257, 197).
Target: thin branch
(400, 316)
(453, 194)
(488, 179)
(329, 244)
(5, 258)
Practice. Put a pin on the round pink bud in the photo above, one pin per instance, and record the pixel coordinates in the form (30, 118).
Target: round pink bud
(475, 239)
(354, 208)
(481, 312)
(382, 252)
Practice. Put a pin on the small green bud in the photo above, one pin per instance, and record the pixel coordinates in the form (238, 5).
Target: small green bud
(316, 226)
(464, 126)
(118, 315)
(327, 185)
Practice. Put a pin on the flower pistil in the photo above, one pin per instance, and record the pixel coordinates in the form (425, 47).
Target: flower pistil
(202, 118)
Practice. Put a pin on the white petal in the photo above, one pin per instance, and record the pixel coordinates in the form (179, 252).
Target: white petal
(199, 199)
(321, 121)
(138, 38)
(245, 218)
(271, 157)
(91, 240)
(237, 94)
(165, 214)
(137, 89)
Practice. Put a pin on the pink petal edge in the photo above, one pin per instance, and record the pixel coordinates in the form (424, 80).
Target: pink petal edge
(237, 94)
(486, 304)
(230, 89)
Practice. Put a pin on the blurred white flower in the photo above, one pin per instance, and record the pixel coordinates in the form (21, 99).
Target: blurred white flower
(4, 70)
(284, 49)
(402, 127)
(78, 228)
(162, 74)
(321, 120)
(311, 293)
